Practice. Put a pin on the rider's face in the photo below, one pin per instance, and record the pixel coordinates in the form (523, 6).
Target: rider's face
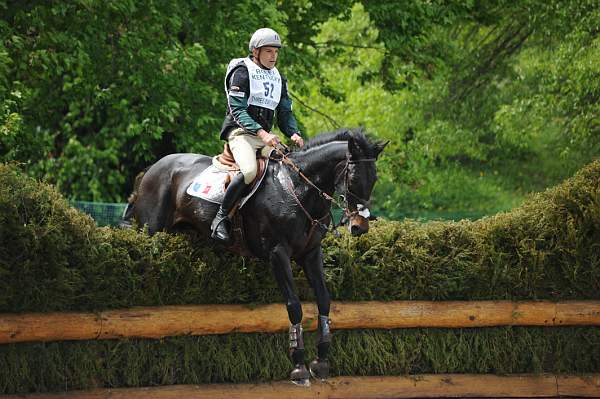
(267, 56)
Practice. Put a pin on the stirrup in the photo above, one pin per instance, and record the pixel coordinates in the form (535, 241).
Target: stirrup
(219, 231)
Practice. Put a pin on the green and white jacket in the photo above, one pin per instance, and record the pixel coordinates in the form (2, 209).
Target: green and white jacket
(255, 98)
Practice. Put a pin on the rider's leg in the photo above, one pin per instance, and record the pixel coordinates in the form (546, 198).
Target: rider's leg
(221, 223)
(243, 146)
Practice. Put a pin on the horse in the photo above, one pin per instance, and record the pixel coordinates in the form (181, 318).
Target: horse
(289, 212)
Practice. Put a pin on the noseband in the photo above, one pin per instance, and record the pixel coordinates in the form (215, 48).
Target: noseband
(359, 200)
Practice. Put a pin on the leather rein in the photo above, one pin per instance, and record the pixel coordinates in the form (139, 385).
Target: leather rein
(345, 206)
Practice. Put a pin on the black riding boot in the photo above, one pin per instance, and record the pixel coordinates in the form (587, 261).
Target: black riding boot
(221, 224)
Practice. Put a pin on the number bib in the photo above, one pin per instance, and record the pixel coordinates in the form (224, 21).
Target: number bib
(265, 84)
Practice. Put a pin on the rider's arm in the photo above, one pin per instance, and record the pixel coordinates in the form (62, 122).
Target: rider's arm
(285, 119)
(237, 97)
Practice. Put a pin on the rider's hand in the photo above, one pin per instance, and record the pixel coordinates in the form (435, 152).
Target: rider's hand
(268, 138)
(297, 139)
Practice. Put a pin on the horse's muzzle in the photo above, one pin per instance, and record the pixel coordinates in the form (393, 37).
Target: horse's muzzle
(358, 225)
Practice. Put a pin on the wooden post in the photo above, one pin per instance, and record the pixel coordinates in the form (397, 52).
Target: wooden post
(158, 322)
(419, 386)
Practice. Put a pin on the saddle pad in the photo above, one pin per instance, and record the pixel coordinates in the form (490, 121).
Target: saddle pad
(210, 185)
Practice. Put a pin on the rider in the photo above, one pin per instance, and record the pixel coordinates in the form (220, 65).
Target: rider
(256, 93)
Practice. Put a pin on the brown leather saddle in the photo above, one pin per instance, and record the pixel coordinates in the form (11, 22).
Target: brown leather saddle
(226, 158)
(237, 223)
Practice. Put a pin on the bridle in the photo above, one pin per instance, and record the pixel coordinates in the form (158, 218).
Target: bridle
(345, 206)
(360, 201)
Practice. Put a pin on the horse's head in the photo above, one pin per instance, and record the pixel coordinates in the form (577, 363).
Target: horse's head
(357, 179)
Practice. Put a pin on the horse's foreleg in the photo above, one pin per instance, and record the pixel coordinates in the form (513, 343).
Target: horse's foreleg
(280, 262)
(312, 264)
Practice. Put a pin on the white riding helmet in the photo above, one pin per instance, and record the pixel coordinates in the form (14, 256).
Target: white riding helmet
(264, 37)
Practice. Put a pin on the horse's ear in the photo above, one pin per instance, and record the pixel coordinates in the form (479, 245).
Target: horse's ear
(379, 147)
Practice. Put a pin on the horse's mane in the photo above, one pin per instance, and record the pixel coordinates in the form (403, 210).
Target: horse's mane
(343, 134)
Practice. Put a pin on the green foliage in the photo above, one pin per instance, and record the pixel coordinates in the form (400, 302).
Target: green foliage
(42, 239)
(556, 117)
(482, 103)
(420, 171)
(10, 119)
(240, 358)
(407, 26)
(105, 88)
(53, 258)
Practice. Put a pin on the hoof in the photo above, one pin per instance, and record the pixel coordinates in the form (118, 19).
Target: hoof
(300, 375)
(319, 369)
(302, 383)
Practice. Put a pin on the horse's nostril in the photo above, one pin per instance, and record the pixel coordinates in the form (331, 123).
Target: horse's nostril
(356, 230)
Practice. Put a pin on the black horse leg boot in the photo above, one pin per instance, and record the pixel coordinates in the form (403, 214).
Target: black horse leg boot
(299, 374)
(319, 368)
(221, 224)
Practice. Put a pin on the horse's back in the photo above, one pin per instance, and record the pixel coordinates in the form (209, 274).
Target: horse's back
(160, 185)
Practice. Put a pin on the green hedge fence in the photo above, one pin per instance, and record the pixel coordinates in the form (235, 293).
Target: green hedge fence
(54, 258)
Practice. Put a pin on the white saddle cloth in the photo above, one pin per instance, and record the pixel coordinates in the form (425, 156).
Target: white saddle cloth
(210, 184)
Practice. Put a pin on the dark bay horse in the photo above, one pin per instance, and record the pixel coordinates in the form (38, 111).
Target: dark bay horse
(285, 219)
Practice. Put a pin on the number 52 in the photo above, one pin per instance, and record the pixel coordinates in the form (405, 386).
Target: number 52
(268, 89)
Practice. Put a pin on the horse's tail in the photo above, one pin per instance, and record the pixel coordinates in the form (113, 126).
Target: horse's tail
(136, 185)
(128, 212)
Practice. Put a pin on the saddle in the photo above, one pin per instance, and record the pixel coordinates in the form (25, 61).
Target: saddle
(226, 159)
(211, 184)
(238, 244)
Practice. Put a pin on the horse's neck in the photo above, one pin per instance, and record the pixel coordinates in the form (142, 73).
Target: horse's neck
(319, 163)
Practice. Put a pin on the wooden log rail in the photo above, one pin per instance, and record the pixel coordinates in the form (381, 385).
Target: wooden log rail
(158, 322)
(418, 386)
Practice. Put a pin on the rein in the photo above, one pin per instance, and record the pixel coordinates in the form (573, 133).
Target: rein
(295, 167)
(345, 207)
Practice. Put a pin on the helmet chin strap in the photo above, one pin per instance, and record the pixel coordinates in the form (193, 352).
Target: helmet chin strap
(257, 60)
(260, 64)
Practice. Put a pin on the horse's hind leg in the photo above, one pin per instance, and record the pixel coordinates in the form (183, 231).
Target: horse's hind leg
(153, 204)
(312, 264)
(280, 262)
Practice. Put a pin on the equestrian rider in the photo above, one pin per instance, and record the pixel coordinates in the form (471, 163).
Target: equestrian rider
(256, 93)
